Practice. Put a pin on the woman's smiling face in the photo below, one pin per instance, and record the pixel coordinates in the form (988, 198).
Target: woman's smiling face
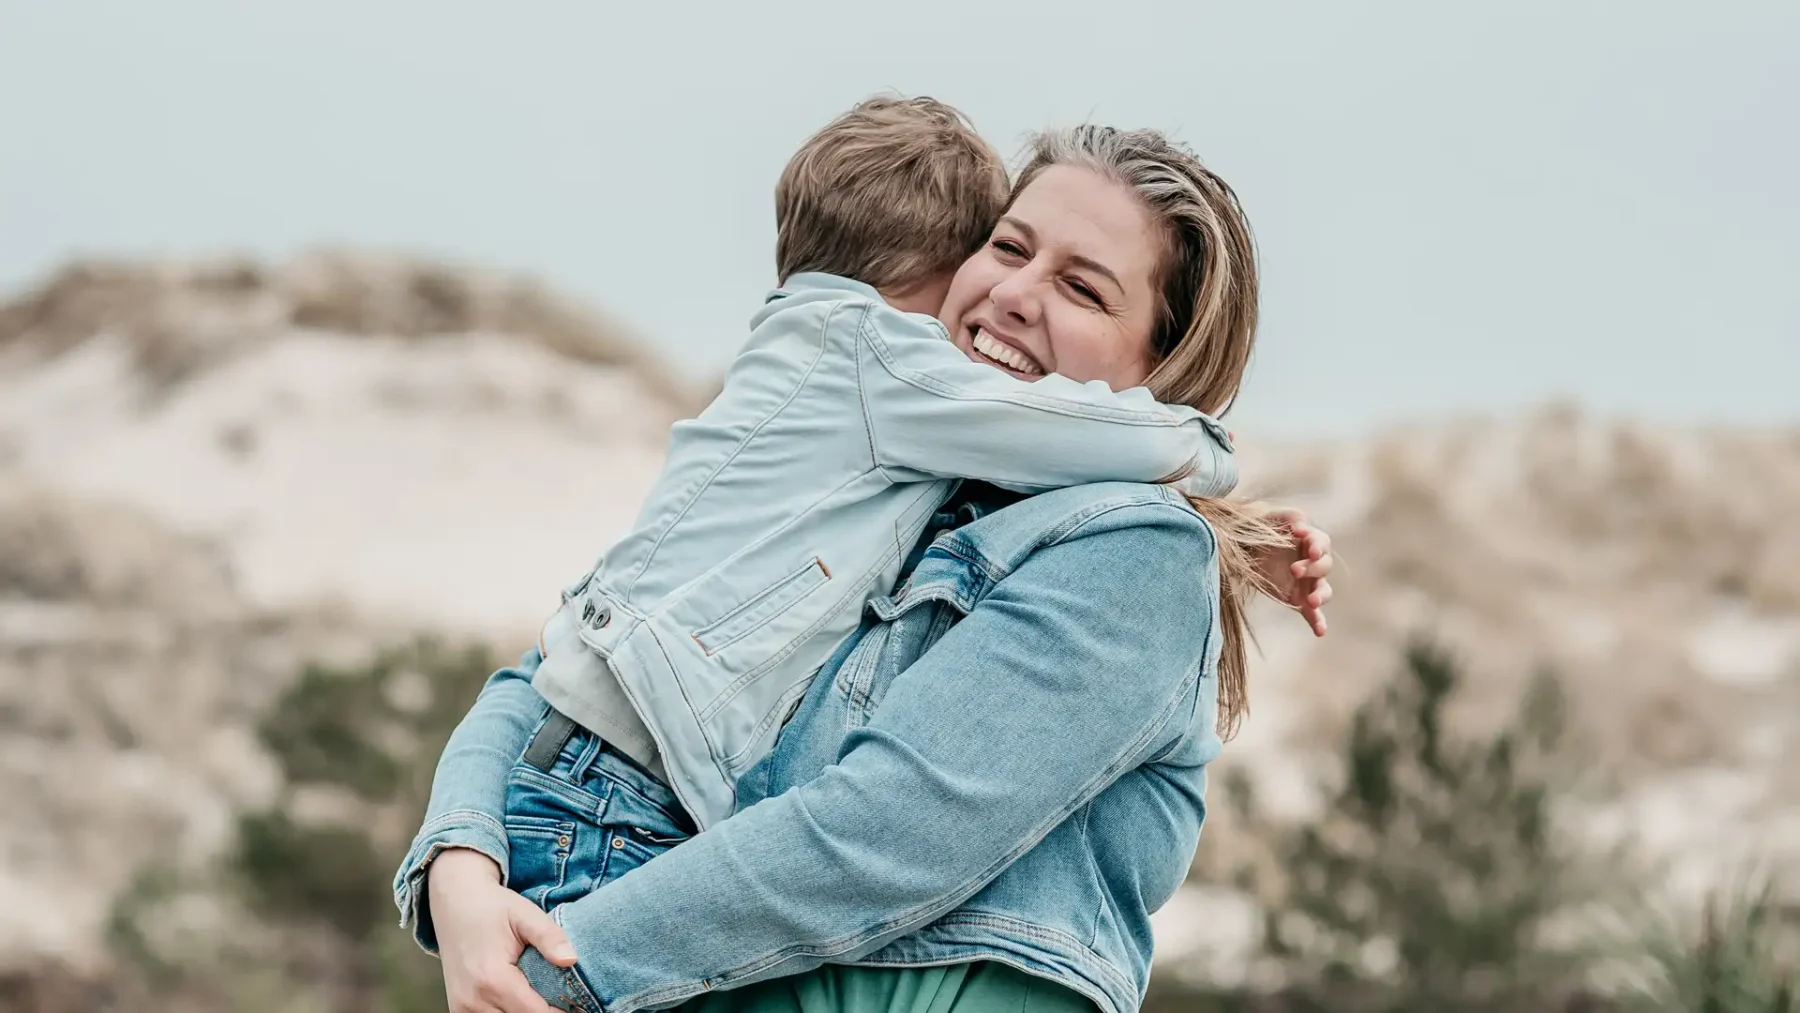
(1066, 284)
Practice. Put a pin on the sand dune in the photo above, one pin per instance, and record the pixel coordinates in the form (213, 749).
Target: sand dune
(210, 471)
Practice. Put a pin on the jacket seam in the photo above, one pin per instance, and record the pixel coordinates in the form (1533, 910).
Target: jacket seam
(991, 572)
(1071, 525)
(994, 570)
(789, 698)
(859, 668)
(959, 548)
(706, 736)
(1163, 754)
(1066, 528)
(862, 395)
(930, 591)
(680, 515)
(1087, 851)
(458, 818)
(995, 920)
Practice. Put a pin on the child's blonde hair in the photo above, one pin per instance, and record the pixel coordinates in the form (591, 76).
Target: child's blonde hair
(892, 193)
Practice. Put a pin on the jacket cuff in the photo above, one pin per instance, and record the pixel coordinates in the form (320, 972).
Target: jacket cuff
(1211, 476)
(561, 987)
(462, 828)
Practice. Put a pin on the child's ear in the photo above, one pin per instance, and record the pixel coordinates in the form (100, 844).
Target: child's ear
(926, 296)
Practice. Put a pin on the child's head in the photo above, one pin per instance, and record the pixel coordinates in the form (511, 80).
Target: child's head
(896, 193)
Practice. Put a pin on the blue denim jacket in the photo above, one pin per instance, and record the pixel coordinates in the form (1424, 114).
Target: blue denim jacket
(791, 500)
(1005, 762)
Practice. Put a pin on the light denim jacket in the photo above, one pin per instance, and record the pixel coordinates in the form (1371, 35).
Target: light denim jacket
(1005, 762)
(791, 500)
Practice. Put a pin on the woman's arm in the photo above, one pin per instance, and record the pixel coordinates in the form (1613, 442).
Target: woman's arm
(1080, 665)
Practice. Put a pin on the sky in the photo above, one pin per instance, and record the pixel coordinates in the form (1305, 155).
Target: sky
(1461, 207)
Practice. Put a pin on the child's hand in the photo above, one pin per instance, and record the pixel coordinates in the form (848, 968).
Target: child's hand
(1299, 570)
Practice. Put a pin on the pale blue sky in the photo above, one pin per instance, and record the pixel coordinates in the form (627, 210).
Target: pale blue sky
(1461, 206)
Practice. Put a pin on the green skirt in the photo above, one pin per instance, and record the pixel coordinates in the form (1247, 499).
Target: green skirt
(984, 987)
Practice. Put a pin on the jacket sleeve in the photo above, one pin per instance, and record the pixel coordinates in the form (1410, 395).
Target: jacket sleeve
(938, 794)
(468, 791)
(933, 411)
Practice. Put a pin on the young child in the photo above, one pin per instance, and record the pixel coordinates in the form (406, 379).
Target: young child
(843, 425)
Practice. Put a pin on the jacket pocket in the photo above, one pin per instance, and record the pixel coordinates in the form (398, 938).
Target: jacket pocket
(784, 594)
(913, 620)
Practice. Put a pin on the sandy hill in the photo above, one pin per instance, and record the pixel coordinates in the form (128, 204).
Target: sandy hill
(210, 470)
(437, 444)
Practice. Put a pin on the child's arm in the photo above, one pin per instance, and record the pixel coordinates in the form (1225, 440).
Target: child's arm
(930, 409)
(468, 792)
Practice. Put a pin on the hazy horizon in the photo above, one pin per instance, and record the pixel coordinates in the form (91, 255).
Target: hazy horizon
(1458, 209)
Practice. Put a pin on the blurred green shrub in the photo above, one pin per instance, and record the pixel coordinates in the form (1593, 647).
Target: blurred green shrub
(1741, 955)
(1435, 877)
(303, 916)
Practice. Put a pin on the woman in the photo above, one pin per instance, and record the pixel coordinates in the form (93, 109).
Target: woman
(1000, 776)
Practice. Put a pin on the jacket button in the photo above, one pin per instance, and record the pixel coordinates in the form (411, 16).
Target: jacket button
(595, 616)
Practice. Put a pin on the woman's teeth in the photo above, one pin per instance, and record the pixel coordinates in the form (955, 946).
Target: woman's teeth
(1003, 353)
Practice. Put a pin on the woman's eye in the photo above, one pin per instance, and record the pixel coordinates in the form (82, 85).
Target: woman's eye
(1008, 247)
(1085, 292)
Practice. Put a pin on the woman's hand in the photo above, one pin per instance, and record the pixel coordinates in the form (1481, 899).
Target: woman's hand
(1299, 570)
(482, 927)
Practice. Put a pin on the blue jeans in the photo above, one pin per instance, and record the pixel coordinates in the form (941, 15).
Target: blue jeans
(590, 818)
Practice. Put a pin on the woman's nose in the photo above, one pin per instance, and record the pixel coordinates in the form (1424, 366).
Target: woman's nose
(1016, 297)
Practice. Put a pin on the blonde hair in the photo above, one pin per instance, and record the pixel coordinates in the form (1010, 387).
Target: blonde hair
(1205, 330)
(891, 193)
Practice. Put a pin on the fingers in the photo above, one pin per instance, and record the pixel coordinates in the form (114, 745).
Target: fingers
(1313, 562)
(505, 990)
(1285, 517)
(535, 926)
(1310, 546)
(473, 1005)
(1313, 605)
(1320, 595)
(1313, 569)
